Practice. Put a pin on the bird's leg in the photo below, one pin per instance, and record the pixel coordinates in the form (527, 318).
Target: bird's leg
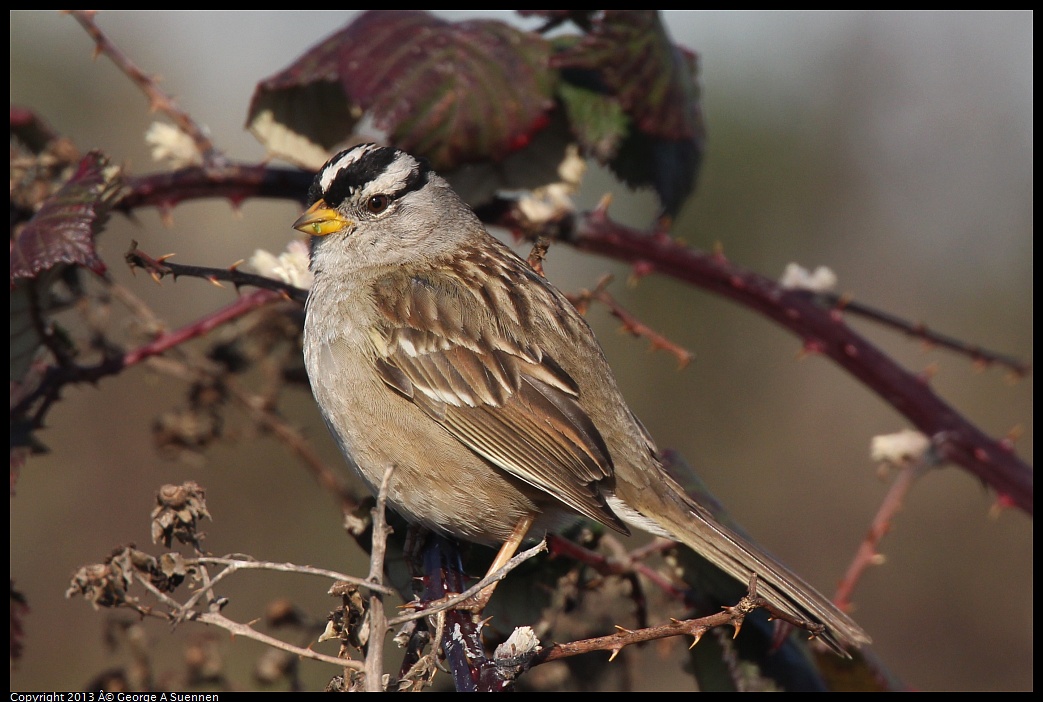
(505, 554)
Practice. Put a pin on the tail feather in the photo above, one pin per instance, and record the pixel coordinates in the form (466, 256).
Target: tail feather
(685, 520)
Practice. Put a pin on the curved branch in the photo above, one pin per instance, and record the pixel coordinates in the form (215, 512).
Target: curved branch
(234, 181)
(823, 331)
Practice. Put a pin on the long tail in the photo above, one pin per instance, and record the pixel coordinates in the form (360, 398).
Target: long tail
(687, 521)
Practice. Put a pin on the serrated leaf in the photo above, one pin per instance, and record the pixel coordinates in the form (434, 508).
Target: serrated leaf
(629, 57)
(452, 92)
(62, 231)
(597, 120)
(635, 60)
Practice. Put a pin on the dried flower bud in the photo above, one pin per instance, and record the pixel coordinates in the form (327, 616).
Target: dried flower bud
(178, 508)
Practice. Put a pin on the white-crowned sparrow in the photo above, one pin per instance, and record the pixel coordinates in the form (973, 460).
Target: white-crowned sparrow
(433, 348)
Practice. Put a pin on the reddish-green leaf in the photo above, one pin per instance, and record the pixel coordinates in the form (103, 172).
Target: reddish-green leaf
(63, 229)
(628, 60)
(634, 60)
(453, 92)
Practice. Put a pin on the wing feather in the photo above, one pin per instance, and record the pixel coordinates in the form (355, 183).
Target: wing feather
(503, 397)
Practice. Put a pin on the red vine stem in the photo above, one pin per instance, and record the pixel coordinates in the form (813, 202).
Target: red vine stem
(242, 305)
(824, 331)
(869, 548)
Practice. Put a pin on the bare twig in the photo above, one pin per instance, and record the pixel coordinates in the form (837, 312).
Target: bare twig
(59, 376)
(214, 618)
(378, 624)
(161, 267)
(451, 602)
(631, 324)
(868, 551)
(235, 564)
(538, 253)
(159, 101)
(731, 616)
(978, 354)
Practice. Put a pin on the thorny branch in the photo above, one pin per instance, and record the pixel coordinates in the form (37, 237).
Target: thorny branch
(733, 616)
(631, 324)
(823, 331)
(159, 101)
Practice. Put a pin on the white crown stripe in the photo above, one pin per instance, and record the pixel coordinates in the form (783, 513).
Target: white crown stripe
(332, 169)
(393, 178)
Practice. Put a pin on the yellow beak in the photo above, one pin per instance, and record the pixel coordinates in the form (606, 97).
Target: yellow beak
(320, 220)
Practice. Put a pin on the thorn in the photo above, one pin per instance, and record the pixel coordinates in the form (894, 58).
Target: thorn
(624, 629)
(811, 347)
(166, 214)
(235, 266)
(1008, 441)
(928, 373)
(615, 652)
(215, 282)
(1013, 377)
(737, 619)
(638, 271)
(696, 638)
(1003, 502)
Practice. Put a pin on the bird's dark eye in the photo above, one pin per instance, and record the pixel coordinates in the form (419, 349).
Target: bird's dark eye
(377, 204)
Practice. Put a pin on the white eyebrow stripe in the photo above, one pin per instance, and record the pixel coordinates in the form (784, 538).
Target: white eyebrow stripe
(396, 175)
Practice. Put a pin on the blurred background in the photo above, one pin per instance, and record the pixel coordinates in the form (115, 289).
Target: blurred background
(895, 148)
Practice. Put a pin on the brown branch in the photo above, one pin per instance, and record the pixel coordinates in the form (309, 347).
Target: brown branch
(733, 616)
(446, 604)
(631, 324)
(58, 376)
(234, 181)
(161, 267)
(378, 624)
(159, 101)
(234, 564)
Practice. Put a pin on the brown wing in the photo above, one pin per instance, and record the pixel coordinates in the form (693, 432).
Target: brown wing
(499, 395)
